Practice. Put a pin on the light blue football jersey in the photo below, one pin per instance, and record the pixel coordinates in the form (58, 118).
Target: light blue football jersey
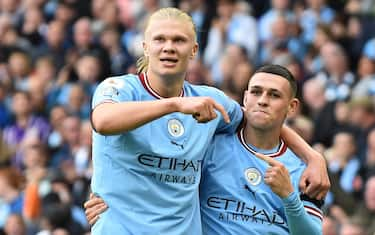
(149, 177)
(234, 198)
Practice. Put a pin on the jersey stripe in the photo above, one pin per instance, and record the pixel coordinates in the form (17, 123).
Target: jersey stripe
(313, 211)
(146, 85)
(282, 148)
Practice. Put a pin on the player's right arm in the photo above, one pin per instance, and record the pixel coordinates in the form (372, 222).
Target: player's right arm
(113, 118)
(116, 110)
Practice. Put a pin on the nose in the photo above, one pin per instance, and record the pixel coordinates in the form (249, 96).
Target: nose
(263, 99)
(169, 47)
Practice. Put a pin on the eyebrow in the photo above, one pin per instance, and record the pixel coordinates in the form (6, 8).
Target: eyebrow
(269, 89)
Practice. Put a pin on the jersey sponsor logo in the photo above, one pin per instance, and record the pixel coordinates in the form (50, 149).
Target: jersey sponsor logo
(175, 128)
(236, 210)
(169, 163)
(175, 179)
(183, 171)
(253, 176)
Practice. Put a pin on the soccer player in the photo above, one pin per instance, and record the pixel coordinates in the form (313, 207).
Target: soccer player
(151, 133)
(243, 194)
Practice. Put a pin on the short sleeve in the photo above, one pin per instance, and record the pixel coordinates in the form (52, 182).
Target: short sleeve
(113, 90)
(234, 111)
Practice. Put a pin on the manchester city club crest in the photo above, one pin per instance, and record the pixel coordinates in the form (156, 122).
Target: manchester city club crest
(253, 176)
(175, 128)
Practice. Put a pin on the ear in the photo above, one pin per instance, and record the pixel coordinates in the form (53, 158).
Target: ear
(246, 92)
(194, 51)
(293, 106)
(145, 50)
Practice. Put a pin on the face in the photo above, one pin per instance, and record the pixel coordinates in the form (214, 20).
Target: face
(21, 104)
(370, 194)
(268, 101)
(169, 45)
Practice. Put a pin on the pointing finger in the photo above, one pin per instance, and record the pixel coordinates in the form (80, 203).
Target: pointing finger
(221, 109)
(269, 160)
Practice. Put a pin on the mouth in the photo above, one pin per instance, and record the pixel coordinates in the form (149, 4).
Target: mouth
(169, 60)
(260, 111)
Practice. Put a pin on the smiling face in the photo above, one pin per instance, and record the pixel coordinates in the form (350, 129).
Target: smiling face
(169, 45)
(268, 101)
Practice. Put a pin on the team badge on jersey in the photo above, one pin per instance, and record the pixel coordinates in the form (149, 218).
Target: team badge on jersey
(175, 128)
(109, 91)
(253, 176)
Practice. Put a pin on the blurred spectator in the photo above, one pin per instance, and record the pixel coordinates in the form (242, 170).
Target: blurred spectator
(26, 124)
(278, 8)
(316, 12)
(368, 166)
(78, 102)
(281, 41)
(84, 43)
(343, 167)
(362, 115)
(11, 193)
(5, 114)
(5, 152)
(366, 74)
(15, 225)
(351, 228)
(53, 44)
(330, 226)
(33, 25)
(224, 69)
(121, 60)
(230, 27)
(198, 74)
(19, 69)
(70, 142)
(337, 76)
(57, 116)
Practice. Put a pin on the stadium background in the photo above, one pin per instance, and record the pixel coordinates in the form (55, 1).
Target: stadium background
(53, 53)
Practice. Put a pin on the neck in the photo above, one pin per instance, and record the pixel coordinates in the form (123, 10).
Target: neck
(166, 86)
(260, 138)
(23, 120)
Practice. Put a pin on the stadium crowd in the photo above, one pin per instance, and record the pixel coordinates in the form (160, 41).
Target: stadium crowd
(53, 53)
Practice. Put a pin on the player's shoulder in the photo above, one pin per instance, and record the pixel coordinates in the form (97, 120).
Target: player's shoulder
(119, 81)
(203, 90)
(291, 160)
(223, 139)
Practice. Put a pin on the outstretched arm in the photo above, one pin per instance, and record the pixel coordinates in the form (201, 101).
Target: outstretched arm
(113, 118)
(314, 181)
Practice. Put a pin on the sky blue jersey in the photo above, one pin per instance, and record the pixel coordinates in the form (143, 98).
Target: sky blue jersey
(236, 200)
(149, 177)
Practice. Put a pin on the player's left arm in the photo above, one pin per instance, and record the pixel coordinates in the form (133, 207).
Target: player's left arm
(314, 181)
(303, 218)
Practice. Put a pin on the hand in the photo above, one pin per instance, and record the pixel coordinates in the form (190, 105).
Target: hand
(315, 181)
(93, 208)
(277, 177)
(202, 108)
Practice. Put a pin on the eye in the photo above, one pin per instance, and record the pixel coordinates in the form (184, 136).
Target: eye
(274, 95)
(256, 92)
(179, 40)
(159, 39)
